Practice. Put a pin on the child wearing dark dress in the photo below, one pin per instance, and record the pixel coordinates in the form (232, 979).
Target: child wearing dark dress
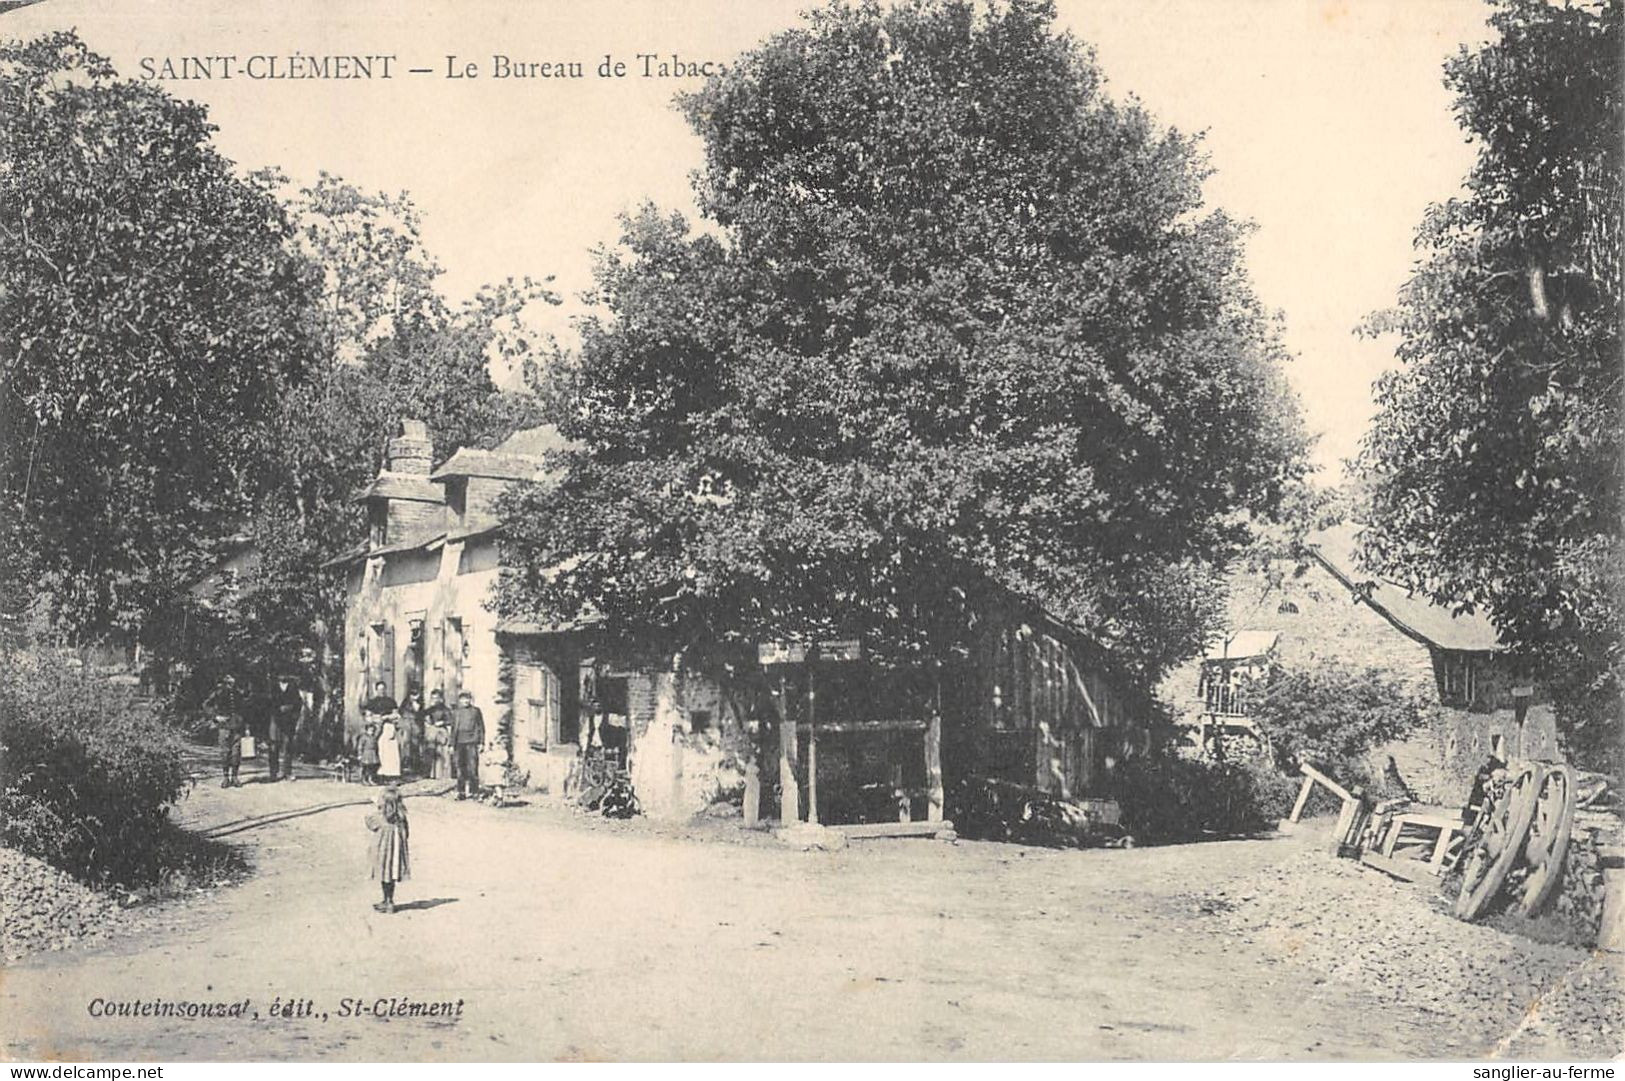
(366, 752)
(390, 861)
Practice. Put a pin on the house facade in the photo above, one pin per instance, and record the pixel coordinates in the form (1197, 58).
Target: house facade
(418, 615)
(811, 731)
(1330, 608)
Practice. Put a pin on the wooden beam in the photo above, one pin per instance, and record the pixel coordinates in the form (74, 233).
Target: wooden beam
(1441, 849)
(753, 793)
(1341, 792)
(1345, 824)
(1408, 870)
(812, 746)
(1303, 799)
(789, 790)
(910, 725)
(933, 759)
(868, 830)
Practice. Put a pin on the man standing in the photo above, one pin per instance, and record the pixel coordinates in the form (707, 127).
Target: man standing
(284, 708)
(467, 736)
(226, 704)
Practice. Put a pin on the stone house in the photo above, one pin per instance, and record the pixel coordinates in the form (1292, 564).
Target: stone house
(1037, 702)
(1327, 607)
(417, 612)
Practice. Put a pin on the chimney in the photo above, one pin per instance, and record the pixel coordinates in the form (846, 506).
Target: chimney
(411, 451)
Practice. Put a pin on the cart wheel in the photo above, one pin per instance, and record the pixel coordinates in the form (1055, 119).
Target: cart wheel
(1497, 846)
(1548, 843)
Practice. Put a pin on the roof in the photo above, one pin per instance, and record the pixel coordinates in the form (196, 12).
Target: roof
(1242, 645)
(526, 626)
(409, 486)
(534, 442)
(1432, 624)
(470, 462)
(519, 457)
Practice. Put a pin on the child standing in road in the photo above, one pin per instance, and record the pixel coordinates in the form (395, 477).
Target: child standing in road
(390, 863)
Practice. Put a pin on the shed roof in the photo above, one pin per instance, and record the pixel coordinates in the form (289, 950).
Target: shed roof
(472, 462)
(533, 442)
(1433, 624)
(409, 486)
(519, 457)
(526, 626)
(1242, 645)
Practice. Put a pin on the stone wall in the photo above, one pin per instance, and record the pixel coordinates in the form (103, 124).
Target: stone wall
(677, 772)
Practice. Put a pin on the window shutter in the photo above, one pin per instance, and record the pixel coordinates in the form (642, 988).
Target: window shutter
(555, 714)
(386, 663)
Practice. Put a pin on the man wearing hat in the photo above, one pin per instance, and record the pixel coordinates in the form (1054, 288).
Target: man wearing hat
(285, 705)
(467, 737)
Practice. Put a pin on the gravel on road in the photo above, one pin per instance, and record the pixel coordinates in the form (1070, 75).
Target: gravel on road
(1400, 944)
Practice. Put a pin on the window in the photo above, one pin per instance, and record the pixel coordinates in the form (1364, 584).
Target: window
(364, 649)
(699, 720)
(1457, 679)
(536, 694)
(457, 498)
(378, 659)
(415, 654)
(456, 647)
(1287, 608)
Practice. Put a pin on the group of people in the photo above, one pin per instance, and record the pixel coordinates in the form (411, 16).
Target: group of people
(278, 714)
(431, 741)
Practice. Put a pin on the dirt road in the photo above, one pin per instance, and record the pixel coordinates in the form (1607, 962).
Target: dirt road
(555, 938)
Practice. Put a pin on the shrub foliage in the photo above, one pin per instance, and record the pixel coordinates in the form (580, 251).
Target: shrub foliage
(87, 773)
(1169, 798)
(1331, 715)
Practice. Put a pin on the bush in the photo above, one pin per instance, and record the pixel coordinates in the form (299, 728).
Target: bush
(1332, 715)
(87, 773)
(1168, 798)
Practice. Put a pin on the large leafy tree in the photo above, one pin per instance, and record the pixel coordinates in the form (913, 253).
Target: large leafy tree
(151, 316)
(388, 345)
(955, 316)
(1492, 468)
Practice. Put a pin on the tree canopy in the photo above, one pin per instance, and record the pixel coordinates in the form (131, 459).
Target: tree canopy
(151, 313)
(388, 345)
(954, 315)
(1493, 464)
(194, 357)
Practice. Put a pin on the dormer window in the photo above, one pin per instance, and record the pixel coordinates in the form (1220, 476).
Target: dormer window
(378, 523)
(457, 498)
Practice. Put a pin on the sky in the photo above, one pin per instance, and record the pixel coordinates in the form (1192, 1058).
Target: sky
(1326, 123)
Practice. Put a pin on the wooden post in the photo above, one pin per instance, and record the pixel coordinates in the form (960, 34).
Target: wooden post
(1441, 849)
(933, 756)
(753, 793)
(1303, 799)
(898, 794)
(812, 744)
(1347, 818)
(789, 793)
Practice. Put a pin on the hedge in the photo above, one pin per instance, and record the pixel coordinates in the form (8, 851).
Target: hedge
(87, 771)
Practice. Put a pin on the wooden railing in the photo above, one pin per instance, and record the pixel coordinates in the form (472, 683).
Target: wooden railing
(1226, 700)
